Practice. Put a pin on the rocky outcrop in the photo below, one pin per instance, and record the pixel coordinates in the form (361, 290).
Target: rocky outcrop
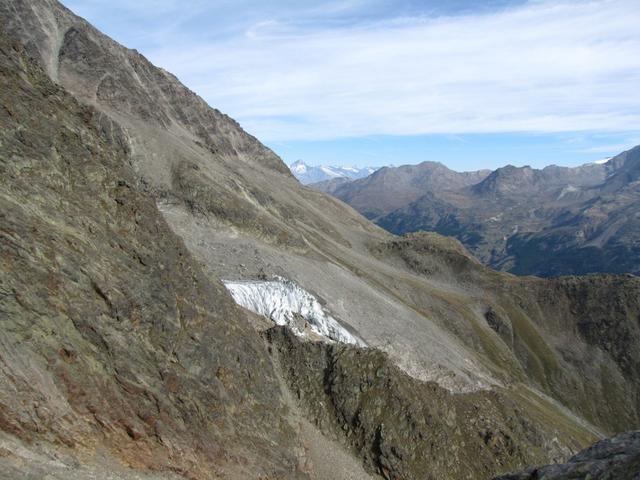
(616, 458)
(403, 428)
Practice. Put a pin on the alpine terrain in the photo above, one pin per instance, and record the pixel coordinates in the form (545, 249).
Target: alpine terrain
(554, 221)
(176, 305)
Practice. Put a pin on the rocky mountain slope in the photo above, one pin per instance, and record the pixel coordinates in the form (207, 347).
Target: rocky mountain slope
(330, 186)
(308, 174)
(112, 335)
(545, 222)
(391, 188)
(126, 201)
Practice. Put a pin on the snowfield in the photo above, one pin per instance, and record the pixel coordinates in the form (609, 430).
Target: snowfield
(286, 303)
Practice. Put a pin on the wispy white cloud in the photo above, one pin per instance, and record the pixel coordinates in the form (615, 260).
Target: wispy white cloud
(539, 67)
(613, 148)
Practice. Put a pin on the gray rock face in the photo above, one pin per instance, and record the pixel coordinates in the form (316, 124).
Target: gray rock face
(616, 458)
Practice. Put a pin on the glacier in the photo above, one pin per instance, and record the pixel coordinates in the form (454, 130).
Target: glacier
(287, 303)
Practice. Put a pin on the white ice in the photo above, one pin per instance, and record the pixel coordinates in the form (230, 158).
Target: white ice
(282, 300)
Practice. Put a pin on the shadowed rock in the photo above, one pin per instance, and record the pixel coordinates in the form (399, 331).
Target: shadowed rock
(616, 458)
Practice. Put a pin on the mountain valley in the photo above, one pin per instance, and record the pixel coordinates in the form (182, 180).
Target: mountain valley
(176, 305)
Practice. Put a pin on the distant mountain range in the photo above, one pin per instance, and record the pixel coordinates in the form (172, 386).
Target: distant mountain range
(308, 174)
(554, 221)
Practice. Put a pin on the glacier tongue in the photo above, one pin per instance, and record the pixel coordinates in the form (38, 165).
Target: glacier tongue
(284, 301)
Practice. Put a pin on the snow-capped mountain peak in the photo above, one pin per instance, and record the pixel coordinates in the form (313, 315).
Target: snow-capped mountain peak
(307, 174)
(298, 167)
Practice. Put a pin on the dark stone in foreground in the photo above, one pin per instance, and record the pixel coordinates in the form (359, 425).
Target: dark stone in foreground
(616, 458)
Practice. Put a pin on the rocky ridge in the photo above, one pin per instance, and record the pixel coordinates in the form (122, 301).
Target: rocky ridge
(403, 428)
(394, 187)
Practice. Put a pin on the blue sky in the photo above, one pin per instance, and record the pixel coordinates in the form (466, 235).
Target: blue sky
(369, 82)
